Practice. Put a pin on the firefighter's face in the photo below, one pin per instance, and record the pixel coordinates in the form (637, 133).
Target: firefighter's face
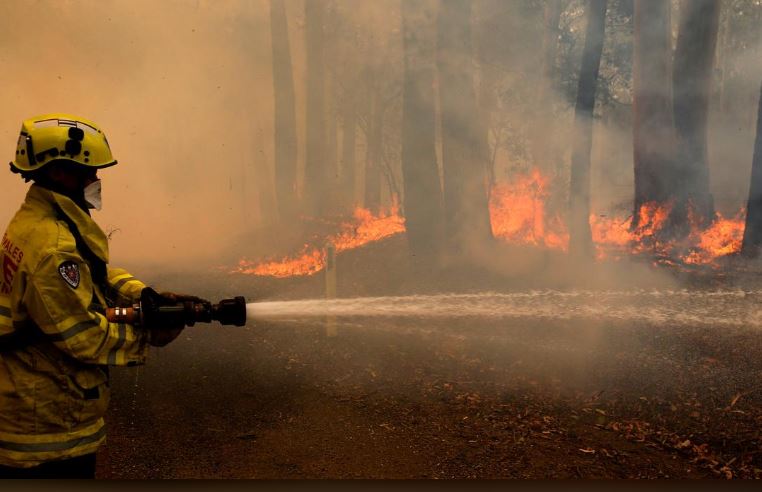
(72, 177)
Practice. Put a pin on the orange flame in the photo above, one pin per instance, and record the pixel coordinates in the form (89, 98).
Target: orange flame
(365, 228)
(617, 236)
(722, 238)
(518, 213)
(309, 261)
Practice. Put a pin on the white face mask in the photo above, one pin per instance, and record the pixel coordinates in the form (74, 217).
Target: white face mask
(93, 195)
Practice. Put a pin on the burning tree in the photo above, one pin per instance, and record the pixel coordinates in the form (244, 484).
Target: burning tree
(653, 125)
(694, 55)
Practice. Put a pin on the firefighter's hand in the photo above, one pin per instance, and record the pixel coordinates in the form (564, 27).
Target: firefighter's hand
(159, 337)
(172, 298)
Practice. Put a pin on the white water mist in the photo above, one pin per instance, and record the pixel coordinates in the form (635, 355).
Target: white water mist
(727, 308)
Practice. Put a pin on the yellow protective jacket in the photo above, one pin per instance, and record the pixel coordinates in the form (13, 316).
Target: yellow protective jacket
(55, 342)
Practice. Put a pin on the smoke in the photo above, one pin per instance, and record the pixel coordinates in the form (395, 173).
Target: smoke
(182, 90)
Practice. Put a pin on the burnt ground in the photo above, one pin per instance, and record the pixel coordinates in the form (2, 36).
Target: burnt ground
(518, 398)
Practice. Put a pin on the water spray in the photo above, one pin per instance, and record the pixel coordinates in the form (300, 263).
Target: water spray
(665, 307)
(660, 307)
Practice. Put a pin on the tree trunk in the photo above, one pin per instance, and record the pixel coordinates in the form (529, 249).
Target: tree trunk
(752, 237)
(315, 169)
(285, 114)
(465, 192)
(348, 150)
(551, 18)
(331, 150)
(373, 153)
(580, 240)
(653, 127)
(694, 57)
(486, 91)
(723, 56)
(422, 193)
(544, 148)
(486, 96)
(265, 187)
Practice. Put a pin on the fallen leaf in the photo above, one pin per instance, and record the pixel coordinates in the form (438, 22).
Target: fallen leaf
(735, 399)
(684, 444)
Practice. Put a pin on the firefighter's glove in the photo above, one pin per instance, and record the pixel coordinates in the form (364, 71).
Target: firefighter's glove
(160, 337)
(172, 298)
(163, 328)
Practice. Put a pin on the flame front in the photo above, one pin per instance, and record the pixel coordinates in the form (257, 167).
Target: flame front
(722, 238)
(617, 237)
(310, 260)
(519, 215)
(365, 228)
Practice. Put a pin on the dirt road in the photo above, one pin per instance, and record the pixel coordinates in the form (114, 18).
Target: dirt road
(656, 393)
(444, 399)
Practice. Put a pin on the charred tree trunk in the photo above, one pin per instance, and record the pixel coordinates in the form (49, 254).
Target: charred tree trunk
(315, 172)
(348, 150)
(653, 126)
(752, 237)
(465, 190)
(422, 193)
(580, 236)
(285, 114)
(373, 153)
(694, 57)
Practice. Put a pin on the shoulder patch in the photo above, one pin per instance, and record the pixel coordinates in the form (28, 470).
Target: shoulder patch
(70, 273)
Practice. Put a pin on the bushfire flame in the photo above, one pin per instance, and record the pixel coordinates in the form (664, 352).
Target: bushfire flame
(722, 238)
(365, 228)
(519, 215)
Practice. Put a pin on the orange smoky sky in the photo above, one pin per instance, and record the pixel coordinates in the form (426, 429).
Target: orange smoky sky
(182, 89)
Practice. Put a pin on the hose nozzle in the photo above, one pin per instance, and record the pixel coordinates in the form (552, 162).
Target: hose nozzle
(148, 312)
(230, 311)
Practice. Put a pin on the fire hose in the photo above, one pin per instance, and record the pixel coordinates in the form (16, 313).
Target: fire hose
(152, 310)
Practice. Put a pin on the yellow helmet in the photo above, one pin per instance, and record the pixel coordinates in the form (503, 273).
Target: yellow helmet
(55, 136)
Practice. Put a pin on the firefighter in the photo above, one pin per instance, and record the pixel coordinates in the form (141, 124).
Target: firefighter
(55, 342)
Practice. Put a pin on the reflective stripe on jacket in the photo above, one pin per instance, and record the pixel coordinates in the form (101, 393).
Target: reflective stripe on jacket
(55, 341)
